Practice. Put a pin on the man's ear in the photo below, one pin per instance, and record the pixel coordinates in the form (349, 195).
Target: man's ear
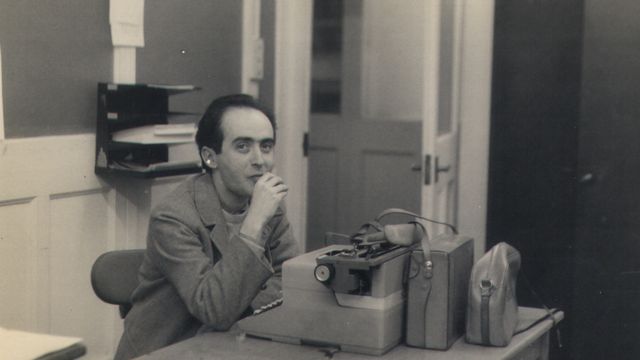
(209, 157)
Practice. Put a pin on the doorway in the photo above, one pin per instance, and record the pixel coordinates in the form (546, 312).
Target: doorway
(366, 122)
(386, 134)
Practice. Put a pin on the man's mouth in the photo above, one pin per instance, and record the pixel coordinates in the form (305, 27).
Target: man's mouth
(255, 178)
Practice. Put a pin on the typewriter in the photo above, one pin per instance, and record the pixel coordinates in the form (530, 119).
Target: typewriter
(350, 297)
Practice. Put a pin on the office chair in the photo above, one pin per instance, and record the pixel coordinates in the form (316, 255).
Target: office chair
(114, 276)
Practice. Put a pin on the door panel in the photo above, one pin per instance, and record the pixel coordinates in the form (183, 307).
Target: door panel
(325, 179)
(357, 169)
(383, 162)
(383, 171)
(565, 165)
(608, 217)
(534, 117)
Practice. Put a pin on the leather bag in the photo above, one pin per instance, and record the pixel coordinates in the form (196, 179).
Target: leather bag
(492, 307)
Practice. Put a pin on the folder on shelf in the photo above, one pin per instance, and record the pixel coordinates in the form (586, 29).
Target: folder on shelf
(157, 134)
(162, 166)
(173, 87)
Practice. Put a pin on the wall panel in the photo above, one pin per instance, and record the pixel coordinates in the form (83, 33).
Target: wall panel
(81, 230)
(56, 218)
(16, 248)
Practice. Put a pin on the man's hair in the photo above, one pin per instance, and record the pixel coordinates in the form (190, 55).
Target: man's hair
(210, 130)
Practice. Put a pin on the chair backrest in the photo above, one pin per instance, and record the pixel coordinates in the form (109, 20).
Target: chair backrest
(114, 276)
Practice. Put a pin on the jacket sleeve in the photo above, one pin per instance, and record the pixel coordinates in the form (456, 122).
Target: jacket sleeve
(280, 247)
(216, 294)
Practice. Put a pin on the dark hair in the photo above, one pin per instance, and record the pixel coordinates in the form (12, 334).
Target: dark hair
(209, 128)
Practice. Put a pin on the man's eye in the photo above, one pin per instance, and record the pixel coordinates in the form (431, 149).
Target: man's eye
(266, 147)
(242, 146)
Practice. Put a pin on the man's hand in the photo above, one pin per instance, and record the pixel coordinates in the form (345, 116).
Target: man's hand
(267, 195)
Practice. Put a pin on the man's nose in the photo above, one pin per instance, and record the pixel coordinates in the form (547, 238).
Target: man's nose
(257, 157)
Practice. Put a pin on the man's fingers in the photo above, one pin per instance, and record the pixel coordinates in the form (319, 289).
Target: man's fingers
(271, 179)
(281, 188)
(267, 176)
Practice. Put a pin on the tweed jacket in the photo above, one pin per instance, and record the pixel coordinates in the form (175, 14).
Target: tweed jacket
(195, 276)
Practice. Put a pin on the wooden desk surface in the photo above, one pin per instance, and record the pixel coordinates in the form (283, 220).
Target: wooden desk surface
(234, 345)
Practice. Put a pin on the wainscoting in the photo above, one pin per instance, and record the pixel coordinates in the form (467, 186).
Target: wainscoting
(56, 217)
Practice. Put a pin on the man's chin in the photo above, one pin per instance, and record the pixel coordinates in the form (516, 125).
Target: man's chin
(248, 192)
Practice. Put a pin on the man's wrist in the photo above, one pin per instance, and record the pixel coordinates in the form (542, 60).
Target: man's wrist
(252, 228)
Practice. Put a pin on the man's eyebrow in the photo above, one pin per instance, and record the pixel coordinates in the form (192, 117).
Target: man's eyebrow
(250, 139)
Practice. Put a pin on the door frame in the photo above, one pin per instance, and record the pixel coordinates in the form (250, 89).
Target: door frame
(471, 103)
(293, 72)
(474, 111)
(292, 84)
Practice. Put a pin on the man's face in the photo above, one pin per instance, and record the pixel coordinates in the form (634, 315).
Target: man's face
(247, 151)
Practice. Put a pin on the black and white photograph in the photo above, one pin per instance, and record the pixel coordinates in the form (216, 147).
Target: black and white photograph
(319, 179)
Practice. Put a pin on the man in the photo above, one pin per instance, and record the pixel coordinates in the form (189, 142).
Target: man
(216, 242)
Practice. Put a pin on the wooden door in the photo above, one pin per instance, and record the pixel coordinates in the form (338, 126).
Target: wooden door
(565, 165)
(358, 168)
(534, 117)
(393, 119)
(607, 270)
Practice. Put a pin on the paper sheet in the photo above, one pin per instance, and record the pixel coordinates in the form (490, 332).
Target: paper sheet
(126, 12)
(127, 22)
(22, 345)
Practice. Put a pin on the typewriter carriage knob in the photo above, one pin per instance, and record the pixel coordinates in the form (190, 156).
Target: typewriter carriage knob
(323, 273)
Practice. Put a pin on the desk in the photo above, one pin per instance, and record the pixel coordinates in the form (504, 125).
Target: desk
(530, 345)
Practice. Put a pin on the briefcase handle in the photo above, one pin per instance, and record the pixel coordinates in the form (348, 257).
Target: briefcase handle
(390, 211)
(426, 246)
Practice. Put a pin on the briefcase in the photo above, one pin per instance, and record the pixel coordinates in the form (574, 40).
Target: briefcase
(437, 291)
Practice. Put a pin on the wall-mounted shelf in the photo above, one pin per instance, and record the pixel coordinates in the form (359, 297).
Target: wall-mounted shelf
(135, 133)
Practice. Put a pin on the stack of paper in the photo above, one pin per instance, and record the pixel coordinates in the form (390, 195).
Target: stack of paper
(18, 345)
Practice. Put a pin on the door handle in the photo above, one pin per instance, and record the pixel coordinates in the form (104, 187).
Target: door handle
(587, 178)
(427, 166)
(441, 169)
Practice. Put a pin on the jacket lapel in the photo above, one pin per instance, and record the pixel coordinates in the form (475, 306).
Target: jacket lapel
(210, 210)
